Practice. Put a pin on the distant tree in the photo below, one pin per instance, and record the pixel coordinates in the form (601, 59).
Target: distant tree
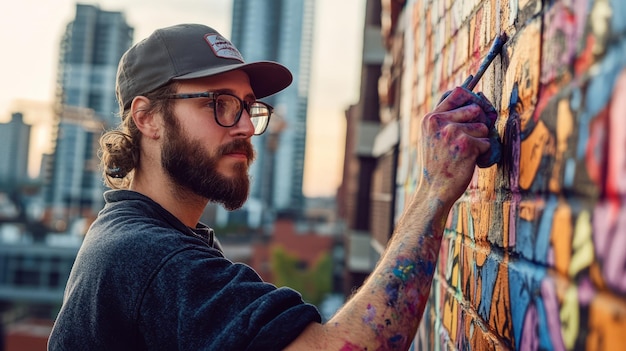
(314, 282)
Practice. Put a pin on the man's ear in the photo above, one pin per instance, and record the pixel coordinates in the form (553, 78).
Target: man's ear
(146, 121)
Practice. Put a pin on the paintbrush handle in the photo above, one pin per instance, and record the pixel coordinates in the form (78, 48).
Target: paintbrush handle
(495, 49)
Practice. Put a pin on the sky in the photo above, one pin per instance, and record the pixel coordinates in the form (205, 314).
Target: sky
(31, 30)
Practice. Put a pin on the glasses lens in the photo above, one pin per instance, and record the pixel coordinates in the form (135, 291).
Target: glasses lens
(260, 117)
(227, 108)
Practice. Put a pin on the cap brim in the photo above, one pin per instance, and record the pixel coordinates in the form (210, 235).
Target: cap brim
(266, 77)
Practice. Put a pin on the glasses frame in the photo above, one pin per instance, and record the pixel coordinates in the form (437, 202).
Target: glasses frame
(242, 104)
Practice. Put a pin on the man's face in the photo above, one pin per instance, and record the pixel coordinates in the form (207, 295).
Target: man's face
(203, 157)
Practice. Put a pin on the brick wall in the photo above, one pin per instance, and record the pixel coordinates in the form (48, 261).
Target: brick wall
(534, 255)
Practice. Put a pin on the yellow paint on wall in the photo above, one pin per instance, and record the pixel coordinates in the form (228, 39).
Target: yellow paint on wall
(582, 245)
(607, 323)
(469, 283)
(481, 218)
(565, 121)
(570, 317)
(532, 150)
(481, 257)
(523, 69)
(450, 315)
(499, 314)
(561, 237)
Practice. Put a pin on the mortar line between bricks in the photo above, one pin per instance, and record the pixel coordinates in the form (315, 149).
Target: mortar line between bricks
(467, 308)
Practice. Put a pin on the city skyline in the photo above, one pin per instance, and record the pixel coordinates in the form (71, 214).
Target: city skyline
(33, 29)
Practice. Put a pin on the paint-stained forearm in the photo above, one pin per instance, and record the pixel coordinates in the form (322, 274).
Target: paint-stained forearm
(385, 312)
(389, 306)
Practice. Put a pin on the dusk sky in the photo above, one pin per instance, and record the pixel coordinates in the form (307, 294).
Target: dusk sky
(30, 32)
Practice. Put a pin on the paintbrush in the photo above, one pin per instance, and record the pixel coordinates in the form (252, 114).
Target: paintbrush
(494, 154)
(471, 81)
(495, 49)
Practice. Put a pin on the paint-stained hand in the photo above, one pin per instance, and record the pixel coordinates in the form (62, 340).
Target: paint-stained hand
(454, 135)
(493, 155)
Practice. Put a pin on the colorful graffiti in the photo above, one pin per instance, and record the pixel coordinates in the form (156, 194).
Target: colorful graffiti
(534, 256)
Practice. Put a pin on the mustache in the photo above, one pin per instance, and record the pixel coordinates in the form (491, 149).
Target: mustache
(237, 146)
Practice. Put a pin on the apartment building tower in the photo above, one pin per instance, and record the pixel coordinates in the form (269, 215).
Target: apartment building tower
(15, 136)
(282, 31)
(90, 51)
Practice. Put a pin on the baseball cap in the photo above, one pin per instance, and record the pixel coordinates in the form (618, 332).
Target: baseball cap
(188, 51)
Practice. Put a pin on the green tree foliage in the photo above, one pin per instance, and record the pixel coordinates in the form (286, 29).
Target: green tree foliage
(314, 282)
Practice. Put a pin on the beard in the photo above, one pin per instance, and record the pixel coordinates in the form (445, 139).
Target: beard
(187, 163)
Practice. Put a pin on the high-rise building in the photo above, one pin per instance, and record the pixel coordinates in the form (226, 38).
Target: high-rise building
(76, 185)
(91, 48)
(15, 136)
(279, 30)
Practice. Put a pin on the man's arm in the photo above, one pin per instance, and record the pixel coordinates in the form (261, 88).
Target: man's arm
(385, 313)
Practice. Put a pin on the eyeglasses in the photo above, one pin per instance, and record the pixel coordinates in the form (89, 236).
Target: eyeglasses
(227, 109)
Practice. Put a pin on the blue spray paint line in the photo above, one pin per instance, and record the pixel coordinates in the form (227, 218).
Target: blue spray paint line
(618, 20)
(489, 275)
(525, 238)
(525, 290)
(545, 340)
(544, 234)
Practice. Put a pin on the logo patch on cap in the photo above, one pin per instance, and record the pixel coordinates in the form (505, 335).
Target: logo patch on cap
(222, 47)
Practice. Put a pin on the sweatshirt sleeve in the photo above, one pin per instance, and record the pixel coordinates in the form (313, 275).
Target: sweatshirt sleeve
(197, 301)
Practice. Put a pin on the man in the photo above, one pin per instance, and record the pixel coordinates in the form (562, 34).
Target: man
(149, 276)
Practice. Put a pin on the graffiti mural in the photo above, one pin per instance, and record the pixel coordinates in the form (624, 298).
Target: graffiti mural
(534, 256)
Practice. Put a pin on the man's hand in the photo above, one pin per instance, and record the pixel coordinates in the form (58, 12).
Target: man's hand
(453, 137)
